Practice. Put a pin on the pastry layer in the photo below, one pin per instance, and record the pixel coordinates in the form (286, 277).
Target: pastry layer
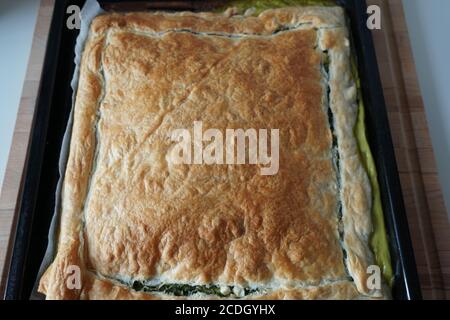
(130, 215)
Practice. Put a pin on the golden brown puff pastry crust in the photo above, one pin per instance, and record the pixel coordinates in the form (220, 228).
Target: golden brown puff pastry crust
(129, 213)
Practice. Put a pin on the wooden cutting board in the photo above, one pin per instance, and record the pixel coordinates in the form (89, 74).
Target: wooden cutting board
(427, 215)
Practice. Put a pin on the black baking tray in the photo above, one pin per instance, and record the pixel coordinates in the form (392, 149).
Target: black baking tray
(37, 198)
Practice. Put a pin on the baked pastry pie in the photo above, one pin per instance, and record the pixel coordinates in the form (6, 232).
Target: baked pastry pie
(138, 225)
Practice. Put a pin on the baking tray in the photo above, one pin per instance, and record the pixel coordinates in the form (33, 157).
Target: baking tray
(37, 198)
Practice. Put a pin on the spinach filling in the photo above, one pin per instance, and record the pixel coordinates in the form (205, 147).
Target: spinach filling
(261, 5)
(378, 240)
(180, 290)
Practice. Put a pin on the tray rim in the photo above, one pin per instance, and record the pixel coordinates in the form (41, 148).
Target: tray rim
(388, 174)
(25, 205)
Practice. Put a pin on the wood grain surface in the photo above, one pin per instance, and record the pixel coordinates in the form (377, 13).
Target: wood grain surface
(17, 155)
(427, 215)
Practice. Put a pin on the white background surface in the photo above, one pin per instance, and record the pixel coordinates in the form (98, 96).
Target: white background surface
(429, 27)
(17, 22)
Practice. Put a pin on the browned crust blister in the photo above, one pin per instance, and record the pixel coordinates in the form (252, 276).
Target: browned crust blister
(129, 214)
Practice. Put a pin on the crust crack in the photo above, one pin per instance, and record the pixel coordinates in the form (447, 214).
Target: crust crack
(101, 76)
(212, 289)
(281, 29)
(335, 155)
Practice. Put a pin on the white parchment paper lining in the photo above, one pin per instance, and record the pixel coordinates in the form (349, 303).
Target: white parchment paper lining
(90, 10)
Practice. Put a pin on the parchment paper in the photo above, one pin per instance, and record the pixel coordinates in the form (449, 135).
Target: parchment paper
(90, 10)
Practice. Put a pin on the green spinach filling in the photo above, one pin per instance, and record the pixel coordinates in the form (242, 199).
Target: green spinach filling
(261, 5)
(188, 290)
